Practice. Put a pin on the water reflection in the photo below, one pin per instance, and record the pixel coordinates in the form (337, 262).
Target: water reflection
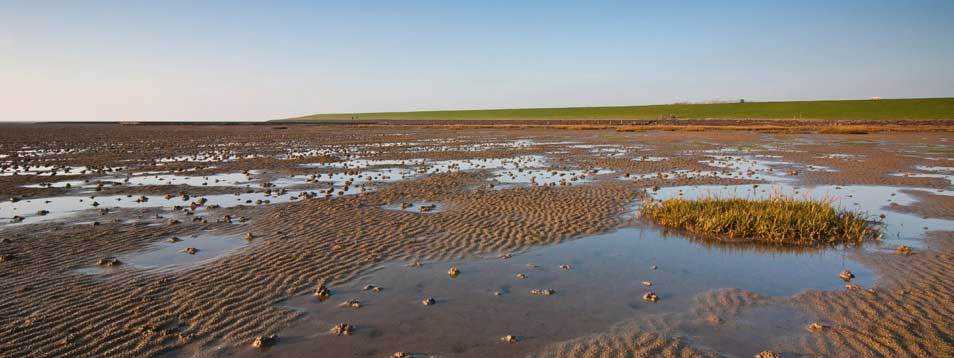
(601, 288)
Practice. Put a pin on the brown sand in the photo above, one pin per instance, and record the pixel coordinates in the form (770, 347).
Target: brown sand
(929, 205)
(909, 314)
(633, 344)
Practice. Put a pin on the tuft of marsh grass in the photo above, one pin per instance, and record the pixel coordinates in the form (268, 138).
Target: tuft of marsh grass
(776, 220)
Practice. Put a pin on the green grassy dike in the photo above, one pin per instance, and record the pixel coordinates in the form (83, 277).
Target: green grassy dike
(883, 109)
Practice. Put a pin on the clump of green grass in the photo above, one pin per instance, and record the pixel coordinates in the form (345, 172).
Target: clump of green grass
(777, 220)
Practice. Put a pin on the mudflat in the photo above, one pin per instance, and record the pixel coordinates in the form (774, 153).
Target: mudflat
(460, 241)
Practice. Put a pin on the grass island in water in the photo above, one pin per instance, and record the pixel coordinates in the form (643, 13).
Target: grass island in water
(776, 220)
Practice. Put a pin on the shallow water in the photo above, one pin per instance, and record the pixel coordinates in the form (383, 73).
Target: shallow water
(948, 177)
(650, 159)
(729, 167)
(424, 166)
(415, 207)
(64, 207)
(364, 163)
(602, 288)
(326, 184)
(547, 176)
(44, 170)
(224, 179)
(353, 179)
(166, 255)
(156, 178)
(65, 184)
(843, 156)
(207, 157)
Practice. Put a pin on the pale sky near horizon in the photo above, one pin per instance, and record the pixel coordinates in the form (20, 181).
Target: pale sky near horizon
(256, 60)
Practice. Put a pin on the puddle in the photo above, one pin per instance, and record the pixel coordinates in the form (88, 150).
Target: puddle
(29, 211)
(521, 162)
(557, 143)
(157, 178)
(819, 168)
(323, 184)
(207, 157)
(26, 152)
(64, 207)
(594, 146)
(43, 170)
(166, 255)
(422, 207)
(224, 179)
(611, 152)
(938, 172)
(352, 180)
(948, 177)
(727, 150)
(603, 287)
(843, 156)
(424, 166)
(646, 158)
(516, 170)
(61, 184)
(365, 163)
(454, 145)
(745, 167)
(935, 169)
(547, 176)
(748, 168)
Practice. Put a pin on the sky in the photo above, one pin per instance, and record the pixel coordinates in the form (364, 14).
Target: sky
(258, 60)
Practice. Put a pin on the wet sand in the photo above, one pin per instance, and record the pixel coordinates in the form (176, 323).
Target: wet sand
(714, 299)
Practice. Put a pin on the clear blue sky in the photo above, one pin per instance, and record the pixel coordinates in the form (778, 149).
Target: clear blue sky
(257, 60)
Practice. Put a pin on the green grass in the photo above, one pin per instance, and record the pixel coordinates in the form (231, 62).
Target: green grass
(777, 220)
(885, 109)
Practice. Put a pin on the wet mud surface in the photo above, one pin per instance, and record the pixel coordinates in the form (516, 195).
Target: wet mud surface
(182, 241)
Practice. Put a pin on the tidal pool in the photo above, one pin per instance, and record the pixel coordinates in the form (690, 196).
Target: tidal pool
(602, 287)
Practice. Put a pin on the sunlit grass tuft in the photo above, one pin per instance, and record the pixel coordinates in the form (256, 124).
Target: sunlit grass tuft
(777, 220)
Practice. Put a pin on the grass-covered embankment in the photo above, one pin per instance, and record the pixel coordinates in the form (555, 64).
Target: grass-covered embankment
(884, 109)
(777, 220)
